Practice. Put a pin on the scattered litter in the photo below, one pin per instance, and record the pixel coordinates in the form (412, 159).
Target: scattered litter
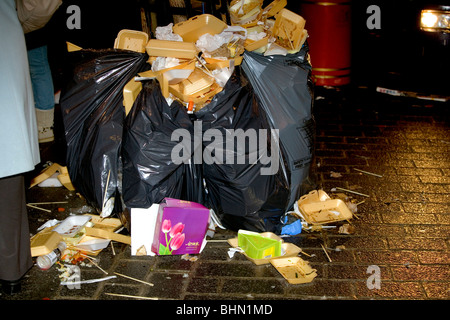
(295, 270)
(95, 264)
(353, 207)
(112, 249)
(346, 229)
(369, 173)
(317, 207)
(188, 257)
(72, 225)
(51, 202)
(232, 251)
(335, 174)
(129, 296)
(340, 248)
(326, 253)
(257, 246)
(44, 242)
(53, 175)
(38, 208)
(287, 249)
(134, 279)
(358, 193)
(48, 224)
(74, 283)
(411, 94)
(69, 272)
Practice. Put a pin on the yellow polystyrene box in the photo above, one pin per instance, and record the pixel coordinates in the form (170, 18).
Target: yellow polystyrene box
(331, 210)
(197, 26)
(289, 26)
(294, 269)
(199, 98)
(274, 7)
(254, 45)
(197, 81)
(131, 40)
(130, 93)
(44, 242)
(72, 47)
(175, 49)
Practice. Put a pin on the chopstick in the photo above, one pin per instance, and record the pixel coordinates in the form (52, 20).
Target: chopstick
(34, 207)
(324, 250)
(367, 172)
(361, 194)
(129, 296)
(128, 277)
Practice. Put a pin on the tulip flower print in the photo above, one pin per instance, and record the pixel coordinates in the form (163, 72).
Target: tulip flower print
(177, 241)
(176, 237)
(178, 228)
(166, 226)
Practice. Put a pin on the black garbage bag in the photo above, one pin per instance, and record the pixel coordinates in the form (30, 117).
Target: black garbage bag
(241, 166)
(285, 89)
(93, 115)
(150, 171)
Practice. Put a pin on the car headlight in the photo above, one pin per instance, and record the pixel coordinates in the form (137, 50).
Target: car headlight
(435, 20)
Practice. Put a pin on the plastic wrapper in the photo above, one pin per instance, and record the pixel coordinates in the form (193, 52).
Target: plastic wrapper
(150, 174)
(284, 87)
(93, 115)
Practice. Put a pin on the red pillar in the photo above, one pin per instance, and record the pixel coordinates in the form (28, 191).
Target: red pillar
(329, 27)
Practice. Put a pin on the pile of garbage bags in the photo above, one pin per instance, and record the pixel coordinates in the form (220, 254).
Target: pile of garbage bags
(245, 154)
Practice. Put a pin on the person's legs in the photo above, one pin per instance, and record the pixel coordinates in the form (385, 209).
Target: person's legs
(15, 252)
(44, 96)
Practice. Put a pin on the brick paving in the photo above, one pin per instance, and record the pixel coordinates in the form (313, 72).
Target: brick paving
(403, 227)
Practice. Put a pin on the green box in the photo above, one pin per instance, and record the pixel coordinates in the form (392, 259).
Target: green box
(256, 246)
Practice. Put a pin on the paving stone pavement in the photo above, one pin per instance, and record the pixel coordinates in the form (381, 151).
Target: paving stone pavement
(401, 230)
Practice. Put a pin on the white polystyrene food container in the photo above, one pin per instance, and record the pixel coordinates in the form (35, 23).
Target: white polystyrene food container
(72, 225)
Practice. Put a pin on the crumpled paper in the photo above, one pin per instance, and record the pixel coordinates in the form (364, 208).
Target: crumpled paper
(166, 33)
(162, 63)
(210, 43)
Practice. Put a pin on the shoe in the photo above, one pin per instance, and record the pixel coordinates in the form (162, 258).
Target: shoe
(45, 119)
(11, 287)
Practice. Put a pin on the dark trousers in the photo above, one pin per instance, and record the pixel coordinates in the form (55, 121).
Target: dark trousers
(15, 253)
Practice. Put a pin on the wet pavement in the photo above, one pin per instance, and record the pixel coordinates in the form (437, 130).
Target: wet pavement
(401, 231)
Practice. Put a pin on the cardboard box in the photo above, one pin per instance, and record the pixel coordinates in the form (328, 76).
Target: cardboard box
(180, 227)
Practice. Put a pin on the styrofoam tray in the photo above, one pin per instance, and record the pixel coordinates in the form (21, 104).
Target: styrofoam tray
(197, 26)
(294, 269)
(72, 225)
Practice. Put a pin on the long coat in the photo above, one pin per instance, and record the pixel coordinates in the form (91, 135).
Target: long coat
(19, 147)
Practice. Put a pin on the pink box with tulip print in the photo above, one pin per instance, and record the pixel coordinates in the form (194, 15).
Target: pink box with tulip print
(180, 227)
